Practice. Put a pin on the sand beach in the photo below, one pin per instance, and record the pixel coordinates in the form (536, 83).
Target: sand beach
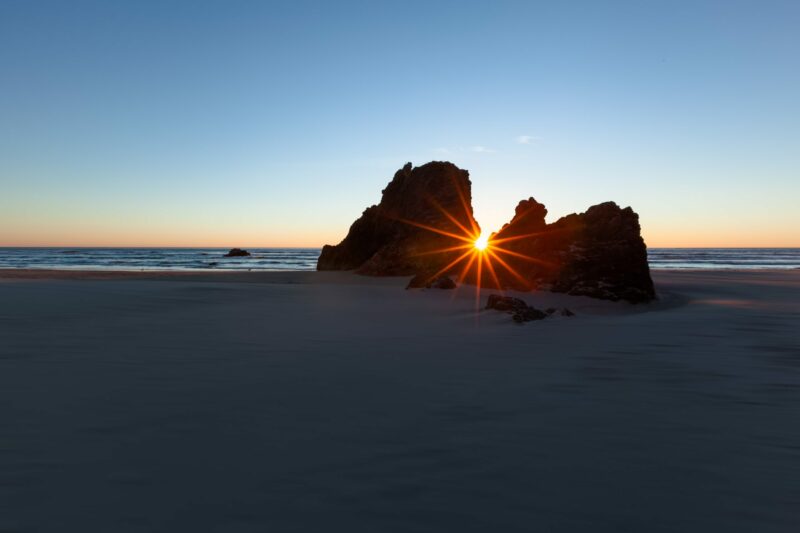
(326, 401)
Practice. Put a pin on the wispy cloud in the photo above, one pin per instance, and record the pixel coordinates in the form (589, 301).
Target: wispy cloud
(482, 150)
(527, 139)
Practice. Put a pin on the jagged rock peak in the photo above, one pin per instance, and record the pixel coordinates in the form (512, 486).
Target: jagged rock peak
(599, 253)
(422, 209)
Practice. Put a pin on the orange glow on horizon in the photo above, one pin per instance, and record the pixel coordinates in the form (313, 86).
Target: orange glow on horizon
(62, 238)
(53, 231)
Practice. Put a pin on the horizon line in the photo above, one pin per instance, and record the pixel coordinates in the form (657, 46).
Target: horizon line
(84, 247)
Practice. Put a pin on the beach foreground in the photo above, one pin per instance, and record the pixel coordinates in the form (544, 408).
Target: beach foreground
(305, 401)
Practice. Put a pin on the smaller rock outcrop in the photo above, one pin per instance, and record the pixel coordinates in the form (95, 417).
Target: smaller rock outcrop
(518, 309)
(599, 253)
(423, 281)
(237, 252)
(563, 312)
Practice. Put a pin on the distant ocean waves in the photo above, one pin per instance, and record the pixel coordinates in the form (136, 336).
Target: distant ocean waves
(158, 259)
(306, 258)
(724, 258)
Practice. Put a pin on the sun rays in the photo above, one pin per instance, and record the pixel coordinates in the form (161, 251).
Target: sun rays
(474, 257)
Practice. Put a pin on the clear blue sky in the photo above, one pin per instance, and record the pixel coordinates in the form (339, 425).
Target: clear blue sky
(257, 123)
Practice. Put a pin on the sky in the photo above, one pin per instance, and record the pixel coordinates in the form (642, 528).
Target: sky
(170, 123)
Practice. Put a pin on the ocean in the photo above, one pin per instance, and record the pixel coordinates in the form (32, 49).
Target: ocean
(724, 258)
(158, 259)
(306, 258)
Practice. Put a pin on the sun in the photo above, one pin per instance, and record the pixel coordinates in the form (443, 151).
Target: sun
(482, 242)
(478, 253)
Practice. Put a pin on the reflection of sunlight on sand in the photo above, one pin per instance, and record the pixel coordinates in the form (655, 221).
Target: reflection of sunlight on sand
(730, 290)
(752, 305)
(739, 304)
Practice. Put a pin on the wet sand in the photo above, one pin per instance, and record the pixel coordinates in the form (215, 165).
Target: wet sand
(331, 402)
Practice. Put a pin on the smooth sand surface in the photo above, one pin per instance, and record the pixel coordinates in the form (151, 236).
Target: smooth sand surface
(331, 402)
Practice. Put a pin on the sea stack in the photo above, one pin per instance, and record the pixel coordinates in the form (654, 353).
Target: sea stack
(412, 229)
(237, 252)
(599, 253)
(424, 226)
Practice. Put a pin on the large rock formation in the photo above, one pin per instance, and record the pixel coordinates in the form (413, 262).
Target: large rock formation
(599, 253)
(424, 213)
(424, 226)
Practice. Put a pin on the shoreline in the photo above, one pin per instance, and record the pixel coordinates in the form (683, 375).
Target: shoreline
(32, 273)
(669, 282)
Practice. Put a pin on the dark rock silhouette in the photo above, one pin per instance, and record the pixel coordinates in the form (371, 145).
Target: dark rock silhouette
(564, 311)
(424, 281)
(400, 235)
(424, 224)
(518, 309)
(237, 252)
(599, 253)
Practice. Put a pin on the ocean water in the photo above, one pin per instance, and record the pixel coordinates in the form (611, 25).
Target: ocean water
(306, 258)
(158, 259)
(724, 258)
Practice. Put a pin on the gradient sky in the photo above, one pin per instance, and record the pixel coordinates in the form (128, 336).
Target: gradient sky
(271, 124)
